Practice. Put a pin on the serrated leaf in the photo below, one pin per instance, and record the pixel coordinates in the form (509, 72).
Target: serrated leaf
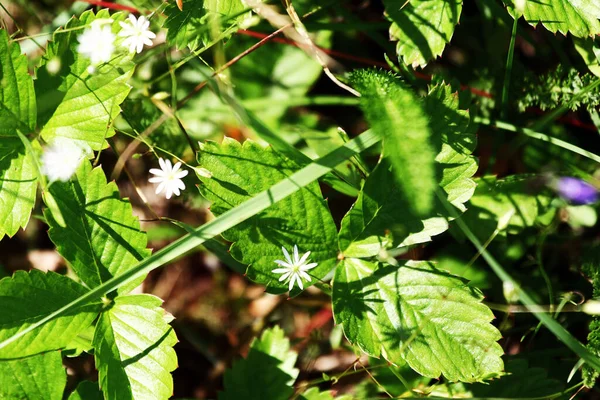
(17, 97)
(380, 216)
(419, 314)
(191, 25)
(18, 185)
(39, 377)
(74, 103)
(87, 390)
(18, 179)
(578, 17)
(398, 116)
(422, 27)
(102, 237)
(134, 351)
(27, 298)
(303, 219)
(267, 373)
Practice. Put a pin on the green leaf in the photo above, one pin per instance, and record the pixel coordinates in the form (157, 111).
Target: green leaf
(87, 390)
(72, 103)
(513, 202)
(395, 113)
(18, 185)
(17, 97)
(380, 216)
(18, 179)
(578, 17)
(29, 297)
(420, 314)
(422, 27)
(102, 237)
(134, 349)
(195, 22)
(302, 219)
(267, 373)
(40, 377)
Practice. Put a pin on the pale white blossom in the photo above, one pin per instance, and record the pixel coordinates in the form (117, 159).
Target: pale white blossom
(294, 269)
(136, 33)
(62, 157)
(97, 43)
(168, 177)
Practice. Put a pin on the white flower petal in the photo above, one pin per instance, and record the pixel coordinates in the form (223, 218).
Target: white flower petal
(304, 257)
(308, 266)
(181, 174)
(280, 270)
(157, 171)
(156, 179)
(287, 255)
(162, 164)
(160, 187)
(285, 276)
(299, 282)
(296, 254)
(291, 285)
(283, 263)
(304, 275)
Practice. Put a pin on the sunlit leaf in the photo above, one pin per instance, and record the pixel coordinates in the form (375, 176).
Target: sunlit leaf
(302, 219)
(101, 238)
(422, 27)
(40, 377)
(134, 351)
(74, 102)
(420, 314)
(27, 298)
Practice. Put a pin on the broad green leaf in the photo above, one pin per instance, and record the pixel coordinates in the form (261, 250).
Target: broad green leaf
(134, 351)
(419, 314)
(303, 219)
(381, 218)
(511, 204)
(102, 237)
(27, 298)
(591, 268)
(395, 113)
(589, 50)
(197, 21)
(266, 373)
(74, 103)
(18, 185)
(87, 390)
(422, 27)
(39, 377)
(17, 97)
(18, 180)
(577, 17)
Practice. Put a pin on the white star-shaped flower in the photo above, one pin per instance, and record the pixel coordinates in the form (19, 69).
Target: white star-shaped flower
(294, 270)
(62, 157)
(169, 176)
(97, 43)
(136, 33)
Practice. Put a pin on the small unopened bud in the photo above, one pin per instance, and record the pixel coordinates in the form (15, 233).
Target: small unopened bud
(203, 172)
(53, 65)
(510, 291)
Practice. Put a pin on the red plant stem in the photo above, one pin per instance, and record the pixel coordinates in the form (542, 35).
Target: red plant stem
(112, 6)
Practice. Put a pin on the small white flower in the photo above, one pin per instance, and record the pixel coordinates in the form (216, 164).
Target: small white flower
(97, 43)
(169, 176)
(62, 157)
(294, 270)
(136, 33)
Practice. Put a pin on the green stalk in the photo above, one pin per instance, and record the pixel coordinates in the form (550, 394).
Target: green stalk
(540, 136)
(227, 220)
(508, 71)
(549, 322)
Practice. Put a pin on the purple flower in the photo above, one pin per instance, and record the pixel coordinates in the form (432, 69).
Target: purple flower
(576, 190)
